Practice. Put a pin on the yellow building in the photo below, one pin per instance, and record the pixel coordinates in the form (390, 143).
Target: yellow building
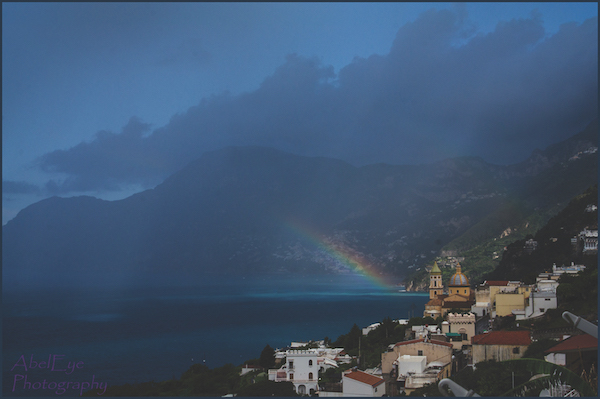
(509, 299)
(500, 298)
(459, 284)
(435, 282)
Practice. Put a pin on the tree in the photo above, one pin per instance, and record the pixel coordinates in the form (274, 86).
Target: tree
(268, 388)
(536, 349)
(267, 357)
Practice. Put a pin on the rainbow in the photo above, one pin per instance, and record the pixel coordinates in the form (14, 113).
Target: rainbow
(352, 260)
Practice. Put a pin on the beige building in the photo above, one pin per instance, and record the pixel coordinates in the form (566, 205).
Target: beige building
(460, 328)
(500, 345)
(434, 351)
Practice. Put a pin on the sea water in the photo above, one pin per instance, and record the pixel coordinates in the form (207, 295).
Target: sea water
(130, 335)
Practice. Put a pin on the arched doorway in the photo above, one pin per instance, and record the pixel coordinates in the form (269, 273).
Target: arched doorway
(301, 390)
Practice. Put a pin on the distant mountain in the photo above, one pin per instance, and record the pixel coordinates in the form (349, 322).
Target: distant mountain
(258, 210)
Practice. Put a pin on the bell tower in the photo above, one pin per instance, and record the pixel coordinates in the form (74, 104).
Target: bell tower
(435, 282)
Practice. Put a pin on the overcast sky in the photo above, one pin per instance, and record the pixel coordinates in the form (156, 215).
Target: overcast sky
(107, 99)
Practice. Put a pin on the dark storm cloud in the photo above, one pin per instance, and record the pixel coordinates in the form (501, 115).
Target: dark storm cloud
(106, 163)
(441, 91)
(19, 187)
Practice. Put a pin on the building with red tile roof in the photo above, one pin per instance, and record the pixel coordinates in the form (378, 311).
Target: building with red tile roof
(503, 338)
(359, 383)
(583, 342)
(365, 378)
(500, 345)
(433, 342)
(577, 353)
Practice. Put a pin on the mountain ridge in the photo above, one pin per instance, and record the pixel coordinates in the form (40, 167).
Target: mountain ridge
(232, 211)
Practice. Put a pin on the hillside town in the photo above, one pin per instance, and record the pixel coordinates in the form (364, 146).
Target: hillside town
(466, 330)
(493, 338)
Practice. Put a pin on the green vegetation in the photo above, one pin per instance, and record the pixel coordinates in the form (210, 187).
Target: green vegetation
(267, 358)
(511, 378)
(487, 256)
(334, 375)
(268, 388)
(199, 380)
(537, 348)
(554, 243)
(488, 379)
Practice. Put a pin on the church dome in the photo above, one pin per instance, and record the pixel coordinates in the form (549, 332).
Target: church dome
(458, 278)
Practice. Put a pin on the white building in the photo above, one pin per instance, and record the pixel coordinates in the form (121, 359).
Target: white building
(296, 345)
(301, 368)
(539, 302)
(410, 364)
(414, 372)
(419, 332)
(559, 271)
(367, 330)
(590, 240)
(358, 383)
(547, 285)
(573, 269)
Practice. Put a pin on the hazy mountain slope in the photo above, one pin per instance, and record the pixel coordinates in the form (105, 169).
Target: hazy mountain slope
(252, 209)
(554, 243)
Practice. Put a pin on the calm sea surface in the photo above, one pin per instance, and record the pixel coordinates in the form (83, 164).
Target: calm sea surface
(137, 335)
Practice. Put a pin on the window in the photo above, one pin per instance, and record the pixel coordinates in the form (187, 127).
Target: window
(310, 362)
(465, 291)
(516, 350)
(542, 310)
(310, 376)
(291, 366)
(291, 376)
(546, 299)
(419, 353)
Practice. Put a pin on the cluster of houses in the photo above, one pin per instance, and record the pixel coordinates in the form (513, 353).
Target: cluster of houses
(302, 367)
(432, 352)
